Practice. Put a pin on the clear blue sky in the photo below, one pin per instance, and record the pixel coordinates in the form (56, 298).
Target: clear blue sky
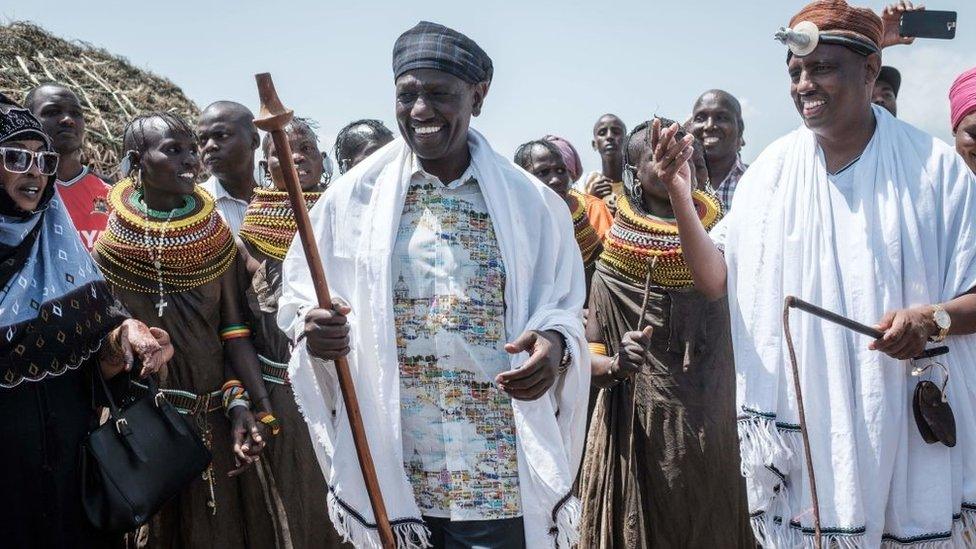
(558, 65)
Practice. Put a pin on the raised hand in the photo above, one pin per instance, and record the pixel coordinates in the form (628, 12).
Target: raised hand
(670, 162)
(891, 17)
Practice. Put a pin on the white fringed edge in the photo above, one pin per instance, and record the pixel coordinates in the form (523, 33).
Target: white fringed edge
(788, 537)
(567, 533)
(409, 535)
(963, 536)
(761, 445)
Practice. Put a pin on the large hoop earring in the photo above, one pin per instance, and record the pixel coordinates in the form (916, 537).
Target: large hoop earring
(637, 190)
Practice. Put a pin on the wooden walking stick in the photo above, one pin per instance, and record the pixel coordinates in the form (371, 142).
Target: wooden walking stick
(817, 535)
(797, 303)
(273, 118)
(632, 382)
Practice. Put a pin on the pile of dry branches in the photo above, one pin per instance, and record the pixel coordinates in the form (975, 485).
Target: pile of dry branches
(112, 91)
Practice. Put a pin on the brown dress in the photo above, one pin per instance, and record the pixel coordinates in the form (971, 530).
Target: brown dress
(241, 518)
(291, 469)
(664, 471)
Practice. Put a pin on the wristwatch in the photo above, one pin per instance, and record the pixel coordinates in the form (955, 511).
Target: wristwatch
(942, 322)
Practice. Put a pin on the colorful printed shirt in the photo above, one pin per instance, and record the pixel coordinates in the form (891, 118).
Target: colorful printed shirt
(86, 198)
(726, 188)
(448, 298)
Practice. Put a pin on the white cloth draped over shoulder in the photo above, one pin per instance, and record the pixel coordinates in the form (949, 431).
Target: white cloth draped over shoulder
(905, 236)
(355, 224)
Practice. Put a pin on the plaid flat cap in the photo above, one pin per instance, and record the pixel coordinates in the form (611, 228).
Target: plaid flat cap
(432, 46)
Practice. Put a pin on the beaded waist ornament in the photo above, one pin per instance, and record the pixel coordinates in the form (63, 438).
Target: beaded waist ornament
(149, 251)
(586, 237)
(269, 223)
(636, 237)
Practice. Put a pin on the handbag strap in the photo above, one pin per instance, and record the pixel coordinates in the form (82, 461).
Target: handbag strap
(115, 415)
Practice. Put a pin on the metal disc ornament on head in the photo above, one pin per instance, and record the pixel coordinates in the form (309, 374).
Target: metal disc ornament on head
(802, 39)
(272, 119)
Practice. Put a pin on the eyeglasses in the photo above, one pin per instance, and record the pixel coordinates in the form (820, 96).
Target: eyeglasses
(20, 160)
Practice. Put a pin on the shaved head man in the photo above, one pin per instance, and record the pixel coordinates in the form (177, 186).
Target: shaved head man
(716, 121)
(84, 194)
(228, 139)
(608, 137)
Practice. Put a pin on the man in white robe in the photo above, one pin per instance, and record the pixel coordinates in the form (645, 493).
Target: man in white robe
(869, 217)
(463, 288)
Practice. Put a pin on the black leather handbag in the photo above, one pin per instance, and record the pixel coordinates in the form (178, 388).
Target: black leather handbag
(136, 461)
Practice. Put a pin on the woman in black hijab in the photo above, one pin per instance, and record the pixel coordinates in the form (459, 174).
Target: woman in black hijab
(58, 322)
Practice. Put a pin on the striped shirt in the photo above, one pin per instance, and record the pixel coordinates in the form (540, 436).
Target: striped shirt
(230, 208)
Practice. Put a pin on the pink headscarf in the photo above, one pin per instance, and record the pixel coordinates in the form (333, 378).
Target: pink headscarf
(570, 156)
(962, 97)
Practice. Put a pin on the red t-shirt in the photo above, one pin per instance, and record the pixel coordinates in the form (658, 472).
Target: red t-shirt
(86, 198)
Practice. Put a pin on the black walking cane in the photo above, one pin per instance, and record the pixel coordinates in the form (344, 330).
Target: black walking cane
(797, 303)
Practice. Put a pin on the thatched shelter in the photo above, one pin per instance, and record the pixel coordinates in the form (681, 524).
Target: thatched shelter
(110, 88)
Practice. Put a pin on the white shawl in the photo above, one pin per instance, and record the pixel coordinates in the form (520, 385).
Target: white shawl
(912, 241)
(356, 224)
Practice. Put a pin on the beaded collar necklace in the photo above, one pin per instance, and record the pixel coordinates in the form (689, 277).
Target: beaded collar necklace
(586, 237)
(637, 236)
(269, 223)
(153, 252)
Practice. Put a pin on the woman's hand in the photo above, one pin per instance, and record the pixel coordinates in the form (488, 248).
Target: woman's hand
(247, 438)
(633, 355)
(670, 162)
(132, 340)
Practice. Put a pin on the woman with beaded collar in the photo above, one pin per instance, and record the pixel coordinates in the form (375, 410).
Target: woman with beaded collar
(264, 238)
(169, 257)
(662, 456)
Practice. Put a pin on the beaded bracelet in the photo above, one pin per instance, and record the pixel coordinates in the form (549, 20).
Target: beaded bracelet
(271, 421)
(598, 349)
(234, 395)
(234, 331)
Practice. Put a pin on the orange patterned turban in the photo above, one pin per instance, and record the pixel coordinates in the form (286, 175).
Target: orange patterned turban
(859, 29)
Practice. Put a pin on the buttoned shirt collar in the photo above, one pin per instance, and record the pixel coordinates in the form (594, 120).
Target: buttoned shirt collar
(418, 170)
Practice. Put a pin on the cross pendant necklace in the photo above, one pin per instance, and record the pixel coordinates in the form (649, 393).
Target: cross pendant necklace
(160, 305)
(157, 257)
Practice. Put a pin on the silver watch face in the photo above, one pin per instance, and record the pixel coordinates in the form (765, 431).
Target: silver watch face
(942, 319)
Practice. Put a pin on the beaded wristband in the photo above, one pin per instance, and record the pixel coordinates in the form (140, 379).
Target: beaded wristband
(236, 403)
(598, 349)
(234, 331)
(271, 421)
(234, 395)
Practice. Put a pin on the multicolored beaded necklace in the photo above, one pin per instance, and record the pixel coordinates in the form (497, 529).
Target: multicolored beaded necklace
(149, 251)
(269, 223)
(636, 237)
(586, 237)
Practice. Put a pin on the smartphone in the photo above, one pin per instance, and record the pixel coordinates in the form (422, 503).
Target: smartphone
(928, 24)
